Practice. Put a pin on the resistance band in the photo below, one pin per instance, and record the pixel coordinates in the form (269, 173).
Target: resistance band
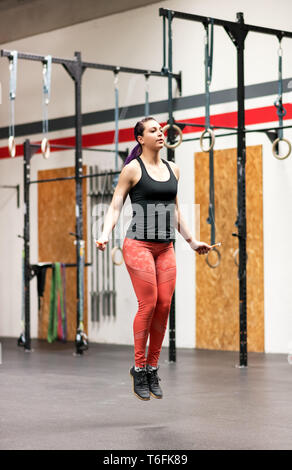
(81, 340)
(57, 319)
(81, 285)
(21, 339)
(63, 273)
(281, 111)
(47, 71)
(12, 96)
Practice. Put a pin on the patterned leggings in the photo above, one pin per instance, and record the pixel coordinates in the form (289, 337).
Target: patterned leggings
(152, 268)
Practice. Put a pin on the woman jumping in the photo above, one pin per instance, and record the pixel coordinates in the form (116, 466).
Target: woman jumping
(148, 252)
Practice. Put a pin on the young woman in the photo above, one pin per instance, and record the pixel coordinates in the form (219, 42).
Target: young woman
(148, 252)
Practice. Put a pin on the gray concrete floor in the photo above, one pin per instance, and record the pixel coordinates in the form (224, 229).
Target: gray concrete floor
(52, 400)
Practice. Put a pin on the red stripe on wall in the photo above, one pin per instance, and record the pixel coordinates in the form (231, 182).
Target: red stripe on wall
(252, 117)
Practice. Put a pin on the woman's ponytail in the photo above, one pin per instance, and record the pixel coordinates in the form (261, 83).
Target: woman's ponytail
(136, 152)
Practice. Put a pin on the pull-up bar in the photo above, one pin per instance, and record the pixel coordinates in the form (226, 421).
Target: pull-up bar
(92, 65)
(226, 24)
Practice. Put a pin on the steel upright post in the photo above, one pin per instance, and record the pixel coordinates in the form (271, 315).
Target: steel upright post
(78, 174)
(76, 70)
(241, 184)
(26, 237)
(171, 157)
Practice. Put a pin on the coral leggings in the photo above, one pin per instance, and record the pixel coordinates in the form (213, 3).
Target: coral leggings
(152, 268)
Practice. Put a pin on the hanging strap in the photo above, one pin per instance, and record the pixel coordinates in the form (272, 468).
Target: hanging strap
(12, 96)
(281, 111)
(147, 108)
(47, 72)
(116, 85)
(209, 41)
(208, 79)
(117, 246)
(208, 132)
(81, 285)
(13, 74)
(208, 70)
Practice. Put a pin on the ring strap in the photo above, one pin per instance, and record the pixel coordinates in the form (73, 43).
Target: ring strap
(147, 109)
(12, 96)
(281, 111)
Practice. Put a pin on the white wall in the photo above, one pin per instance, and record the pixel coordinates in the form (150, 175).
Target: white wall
(134, 39)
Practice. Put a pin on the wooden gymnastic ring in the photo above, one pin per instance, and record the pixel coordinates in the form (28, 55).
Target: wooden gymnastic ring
(11, 146)
(45, 148)
(274, 148)
(234, 256)
(212, 135)
(218, 261)
(178, 129)
(114, 250)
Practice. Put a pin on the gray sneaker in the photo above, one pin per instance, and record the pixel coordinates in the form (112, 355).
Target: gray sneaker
(140, 383)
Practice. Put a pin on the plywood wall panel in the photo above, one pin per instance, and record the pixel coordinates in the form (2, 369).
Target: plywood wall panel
(56, 218)
(217, 290)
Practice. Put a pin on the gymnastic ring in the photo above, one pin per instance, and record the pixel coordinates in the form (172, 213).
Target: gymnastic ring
(218, 261)
(114, 250)
(274, 148)
(212, 135)
(45, 148)
(11, 146)
(234, 256)
(178, 129)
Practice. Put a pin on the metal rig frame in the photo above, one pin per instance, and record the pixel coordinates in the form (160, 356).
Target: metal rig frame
(75, 68)
(237, 31)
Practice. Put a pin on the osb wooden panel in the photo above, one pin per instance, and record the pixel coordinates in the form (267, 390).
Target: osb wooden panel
(217, 290)
(56, 218)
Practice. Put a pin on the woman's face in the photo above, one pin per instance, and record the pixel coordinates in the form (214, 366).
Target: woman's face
(152, 138)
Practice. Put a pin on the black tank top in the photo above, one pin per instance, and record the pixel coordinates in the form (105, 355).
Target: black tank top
(153, 204)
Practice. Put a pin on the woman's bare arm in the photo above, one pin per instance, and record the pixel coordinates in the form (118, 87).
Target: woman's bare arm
(181, 225)
(123, 187)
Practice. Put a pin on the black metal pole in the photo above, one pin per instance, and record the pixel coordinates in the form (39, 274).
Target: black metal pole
(170, 98)
(241, 197)
(78, 180)
(75, 71)
(171, 157)
(26, 237)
